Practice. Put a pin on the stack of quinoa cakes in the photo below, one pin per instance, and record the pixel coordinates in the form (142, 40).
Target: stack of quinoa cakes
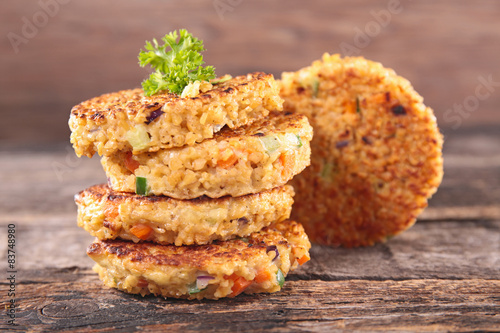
(197, 203)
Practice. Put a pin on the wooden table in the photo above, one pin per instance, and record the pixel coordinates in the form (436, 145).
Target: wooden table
(443, 274)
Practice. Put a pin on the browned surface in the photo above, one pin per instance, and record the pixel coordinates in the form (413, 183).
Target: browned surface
(150, 256)
(445, 48)
(135, 103)
(443, 274)
(97, 192)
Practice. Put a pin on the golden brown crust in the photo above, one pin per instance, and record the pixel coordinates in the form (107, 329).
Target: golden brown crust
(149, 254)
(103, 124)
(136, 104)
(376, 153)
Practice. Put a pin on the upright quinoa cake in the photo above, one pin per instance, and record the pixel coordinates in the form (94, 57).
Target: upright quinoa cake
(376, 153)
(129, 120)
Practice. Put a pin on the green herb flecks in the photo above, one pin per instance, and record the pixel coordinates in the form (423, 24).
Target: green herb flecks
(358, 109)
(177, 67)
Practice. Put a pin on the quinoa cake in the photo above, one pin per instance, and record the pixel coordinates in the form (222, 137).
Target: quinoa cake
(376, 153)
(255, 264)
(107, 214)
(248, 159)
(129, 120)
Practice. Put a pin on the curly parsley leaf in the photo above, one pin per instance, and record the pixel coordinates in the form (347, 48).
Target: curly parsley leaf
(177, 63)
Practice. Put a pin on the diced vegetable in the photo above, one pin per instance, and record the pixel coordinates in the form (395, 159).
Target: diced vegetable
(130, 163)
(201, 284)
(141, 231)
(153, 115)
(270, 143)
(202, 281)
(302, 260)
(263, 276)
(141, 186)
(239, 284)
(193, 289)
(293, 140)
(231, 160)
(273, 248)
(111, 211)
(287, 160)
(280, 278)
(138, 137)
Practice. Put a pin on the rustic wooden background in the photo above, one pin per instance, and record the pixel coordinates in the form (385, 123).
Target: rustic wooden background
(441, 275)
(86, 48)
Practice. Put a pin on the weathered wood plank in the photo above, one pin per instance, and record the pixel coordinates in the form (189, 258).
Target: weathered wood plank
(80, 303)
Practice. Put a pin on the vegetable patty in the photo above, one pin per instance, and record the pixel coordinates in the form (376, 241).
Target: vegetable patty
(255, 264)
(129, 120)
(248, 159)
(107, 214)
(376, 152)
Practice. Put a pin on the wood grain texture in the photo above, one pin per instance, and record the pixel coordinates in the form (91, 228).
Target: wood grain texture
(443, 274)
(80, 303)
(87, 48)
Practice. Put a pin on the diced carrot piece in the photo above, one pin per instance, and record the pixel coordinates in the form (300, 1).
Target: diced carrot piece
(263, 276)
(141, 231)
(350, 106)
(130, 163)
(305, 258)
(228, 162)
(239, 284)
(110, 211)
(287, 161)
(380, 98)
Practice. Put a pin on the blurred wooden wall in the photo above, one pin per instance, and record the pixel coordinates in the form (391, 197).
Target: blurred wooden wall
(56, 53)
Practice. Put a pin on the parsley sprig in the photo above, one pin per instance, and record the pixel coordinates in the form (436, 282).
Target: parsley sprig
(177, 67)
